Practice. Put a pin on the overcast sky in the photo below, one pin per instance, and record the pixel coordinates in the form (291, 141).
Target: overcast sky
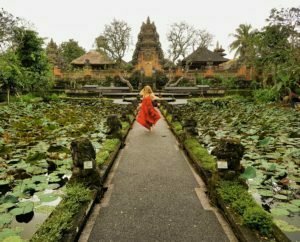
(84, 20)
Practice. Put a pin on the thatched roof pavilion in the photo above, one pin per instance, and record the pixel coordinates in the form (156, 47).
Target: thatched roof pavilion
(94, 59)
(203, 57)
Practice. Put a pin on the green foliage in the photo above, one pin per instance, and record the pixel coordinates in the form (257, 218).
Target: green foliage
(69, 50)
(135, 79)
(61, 219)
(10, 71)
(237, 197)
(54, 54)
(242, 203)
(229, 82)
(203, 81)
(37, 74)
(8, 23)
(205, 160)
(256, 218)
(249, 173)
(161, 79)
(265, 95)
(114, 41)
(230, 191)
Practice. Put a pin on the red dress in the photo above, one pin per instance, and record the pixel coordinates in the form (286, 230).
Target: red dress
(147, 115)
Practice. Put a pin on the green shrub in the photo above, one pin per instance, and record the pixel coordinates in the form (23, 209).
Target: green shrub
(30, 98)
(265, 95)
(237, 197)
(230, 191)
(256, 218)
(242, 203)
(229, 82)
(202, 81)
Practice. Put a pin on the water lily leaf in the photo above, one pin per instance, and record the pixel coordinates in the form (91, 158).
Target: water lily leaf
(36, 170)
(272, 167)
(5, 218)
(40, 179)
(266, 141)
(285, 226)
(7, 205)
(35, 156)
(9, 199)
(53, 186)
(265, 193)
(249, 173)
(291, 207)
(250, 131)
(48, 197)
(5, 233)
(280, 197)
(14, 238)
(279, 212)
(54, 178)
(3, 182)
(23, 208)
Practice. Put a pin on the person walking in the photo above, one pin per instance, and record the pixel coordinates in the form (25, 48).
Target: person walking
(147, 115)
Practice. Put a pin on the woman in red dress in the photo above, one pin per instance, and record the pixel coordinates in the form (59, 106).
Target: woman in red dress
(147, 115)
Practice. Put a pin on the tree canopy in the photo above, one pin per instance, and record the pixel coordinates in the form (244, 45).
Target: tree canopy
(184, 38)
(114, 40)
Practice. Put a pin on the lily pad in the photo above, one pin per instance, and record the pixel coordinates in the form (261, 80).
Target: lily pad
(272, 167)
(5, 218)
(7, 205)
(279, 212)
(265, 193)
(14, 238)
(285, 226)
(48, 197)
(280, 197)
(23, 208)
(6, 233)
(3, 182)
(9, 198)
(296, 202)
(266, 141)
(249, 173)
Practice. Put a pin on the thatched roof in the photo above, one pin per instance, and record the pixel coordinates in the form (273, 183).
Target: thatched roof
(205, 55)
(93, 58)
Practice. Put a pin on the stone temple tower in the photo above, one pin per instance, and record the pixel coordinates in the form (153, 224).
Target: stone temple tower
(148, 55)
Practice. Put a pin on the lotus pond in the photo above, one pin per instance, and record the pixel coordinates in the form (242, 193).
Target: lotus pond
(35, 159)
(271, 137)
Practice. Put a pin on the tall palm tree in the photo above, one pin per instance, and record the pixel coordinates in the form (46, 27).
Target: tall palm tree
(243, 38)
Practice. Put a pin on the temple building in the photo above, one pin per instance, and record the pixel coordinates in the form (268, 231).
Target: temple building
(202, 58)
(94, 60)
(148, 55)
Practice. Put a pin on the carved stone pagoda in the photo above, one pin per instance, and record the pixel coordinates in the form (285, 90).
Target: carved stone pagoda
(148, 55)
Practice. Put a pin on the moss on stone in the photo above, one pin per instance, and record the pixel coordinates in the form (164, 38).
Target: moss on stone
(206, 160)
(108, 147)
(60, 221)
(177, 127)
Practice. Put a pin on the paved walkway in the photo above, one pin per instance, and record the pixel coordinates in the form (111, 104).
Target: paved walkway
(154, 195)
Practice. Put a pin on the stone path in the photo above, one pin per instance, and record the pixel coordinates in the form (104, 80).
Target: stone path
(154, 195)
